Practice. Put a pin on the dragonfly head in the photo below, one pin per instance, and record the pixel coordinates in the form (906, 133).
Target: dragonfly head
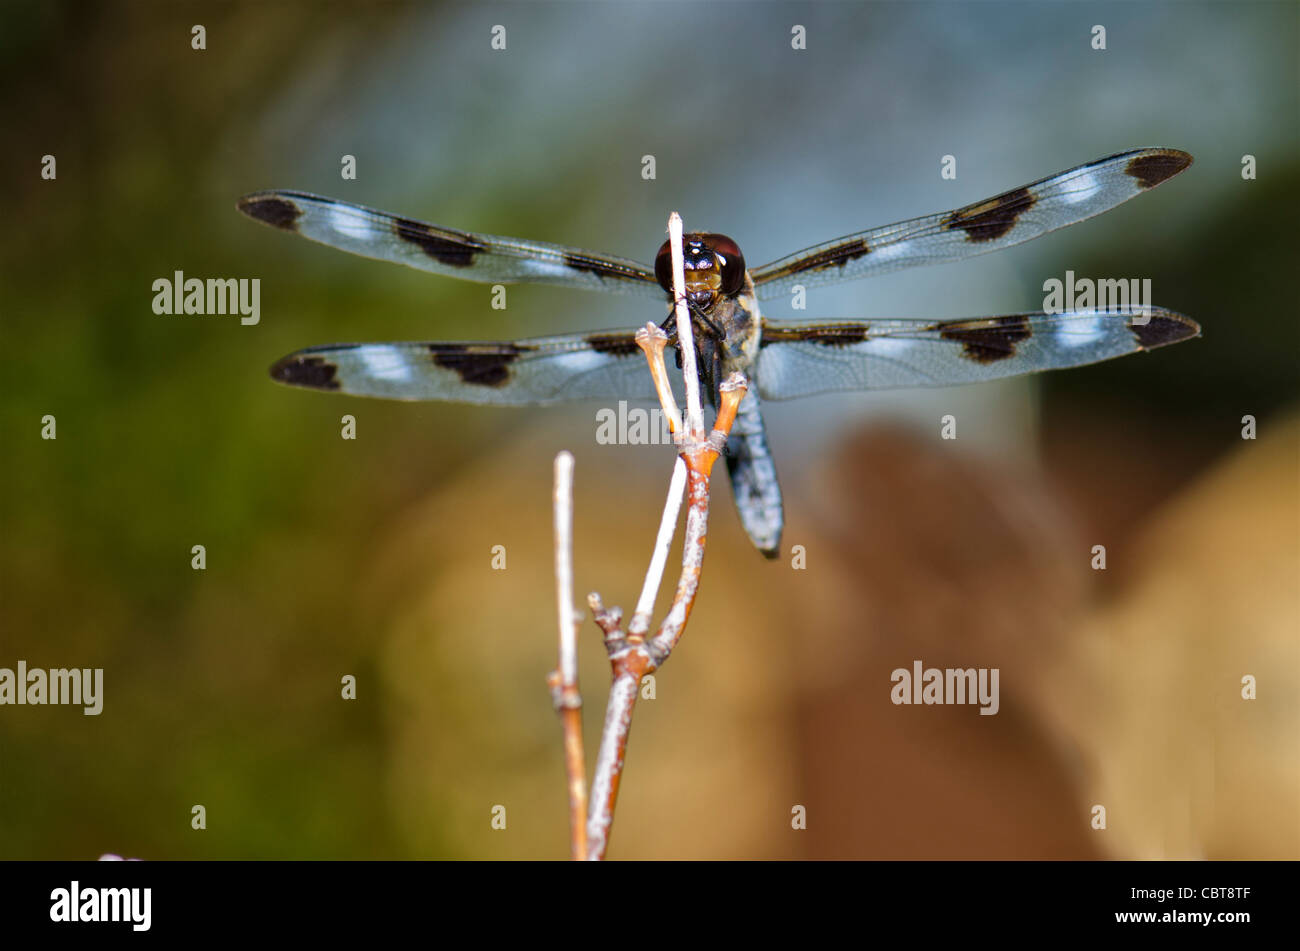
(713, 267)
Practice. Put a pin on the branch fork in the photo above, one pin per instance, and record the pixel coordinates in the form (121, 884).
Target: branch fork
(634, 653)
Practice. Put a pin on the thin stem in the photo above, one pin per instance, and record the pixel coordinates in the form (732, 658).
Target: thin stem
(699, 461)
(613, 751)
(654, 575)
(564, 681)
(685, 335)
(652, 340)
(565, 615)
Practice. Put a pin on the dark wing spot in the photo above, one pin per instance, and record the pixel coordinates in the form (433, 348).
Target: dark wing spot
(479, 364)
(452, 248)
(1151, 170)
(305, 370)
(989, 339)
(603, 268)
(272, 210)
(837, 256)
(826, 335)
(990, 220)
(614, 344)
(1162, 329)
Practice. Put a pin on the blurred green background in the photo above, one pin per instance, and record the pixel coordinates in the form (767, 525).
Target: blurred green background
(372, 557)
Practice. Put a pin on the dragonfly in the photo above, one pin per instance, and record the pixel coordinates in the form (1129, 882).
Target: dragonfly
(781, 359)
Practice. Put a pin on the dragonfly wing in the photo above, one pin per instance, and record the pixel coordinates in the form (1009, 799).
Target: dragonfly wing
(485, 258)
(800, 359)
(1000, 222)
(519, 373)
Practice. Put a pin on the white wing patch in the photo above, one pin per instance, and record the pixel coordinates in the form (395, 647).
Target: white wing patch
(386, 362)
(1086, 330)
(887, 253)
(1084, 187)
(344, 221)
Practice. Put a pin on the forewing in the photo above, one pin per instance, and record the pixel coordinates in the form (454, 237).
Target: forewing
(800, 359)
(485, 258)
(1010, 218)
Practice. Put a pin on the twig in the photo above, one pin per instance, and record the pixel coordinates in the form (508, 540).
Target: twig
(565, 615)
(629, 667)
(685, 334)
(564, 681)
(699, 465)
(631, 655)
(654, 575)
(652, 341)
